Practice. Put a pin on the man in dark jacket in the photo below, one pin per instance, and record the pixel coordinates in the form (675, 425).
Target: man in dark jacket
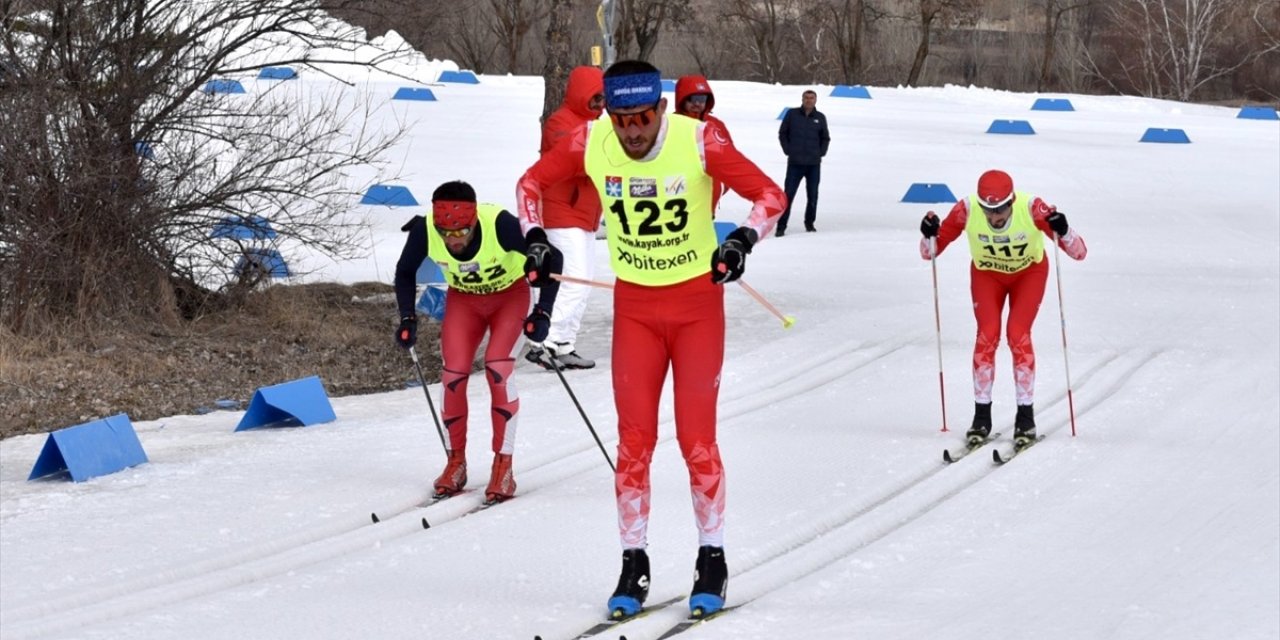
(804, 139)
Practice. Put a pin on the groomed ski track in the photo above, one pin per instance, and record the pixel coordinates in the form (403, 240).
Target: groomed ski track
(316, 544)
(846, 529)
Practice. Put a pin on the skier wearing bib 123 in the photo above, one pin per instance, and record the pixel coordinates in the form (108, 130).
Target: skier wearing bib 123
(1007, 245)
(655, 173)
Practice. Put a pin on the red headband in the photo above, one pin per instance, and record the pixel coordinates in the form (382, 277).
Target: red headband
(453, 214)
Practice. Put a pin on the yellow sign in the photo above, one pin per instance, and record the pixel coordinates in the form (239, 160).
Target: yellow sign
(597, 55)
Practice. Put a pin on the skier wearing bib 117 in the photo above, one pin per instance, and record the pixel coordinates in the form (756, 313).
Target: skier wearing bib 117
(1007, 246)
(655, 173)
(482, 253)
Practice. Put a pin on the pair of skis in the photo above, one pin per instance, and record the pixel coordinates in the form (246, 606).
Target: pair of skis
(694, 619)
(436, 499)
(998, 455)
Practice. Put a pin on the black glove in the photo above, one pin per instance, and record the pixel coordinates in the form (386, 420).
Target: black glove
(730, 259)
(537, 325)
(537, 262)
(407, 334)
(929, 225)
(1058, 222)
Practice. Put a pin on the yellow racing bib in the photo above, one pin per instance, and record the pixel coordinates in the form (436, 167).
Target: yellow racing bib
(491, 270)
(1019, 245)
(658, 213)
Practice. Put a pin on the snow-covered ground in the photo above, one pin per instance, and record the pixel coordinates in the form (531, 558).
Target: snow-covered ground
(1161, 519)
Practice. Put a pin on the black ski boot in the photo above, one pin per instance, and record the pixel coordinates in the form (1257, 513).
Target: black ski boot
(1024, 426)
(981, 424)
(633, 585)
(710, 582)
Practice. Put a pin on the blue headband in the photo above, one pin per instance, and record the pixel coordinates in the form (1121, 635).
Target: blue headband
(632, 90)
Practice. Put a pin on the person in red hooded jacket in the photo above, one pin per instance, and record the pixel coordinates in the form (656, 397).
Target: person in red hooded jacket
(571, 215)
(695, 99)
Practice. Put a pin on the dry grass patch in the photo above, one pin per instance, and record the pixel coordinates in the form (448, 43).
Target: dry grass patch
(343, 333)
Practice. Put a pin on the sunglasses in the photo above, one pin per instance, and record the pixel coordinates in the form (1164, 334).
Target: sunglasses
(1000, 210)
(643, 118)
(698, 99)
(454, 233)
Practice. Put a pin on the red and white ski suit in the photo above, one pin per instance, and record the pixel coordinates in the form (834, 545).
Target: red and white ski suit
(678, 326)
(1024, 289)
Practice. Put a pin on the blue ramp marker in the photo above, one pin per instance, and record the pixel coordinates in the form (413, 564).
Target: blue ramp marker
(429, 273)
(432, 302)
(928, 193)
(300, 402)
(420, 94)
(847, 91)
(1258, 113)
(1175, 136)
(459, 77)
(278, 73)
(1018, 127)
(784, 113)
(389, 195)
(668, 86)
(91, 449)
(268, 261)
(723, 229)
(1052, 104)
(223, 86)
(241, 228)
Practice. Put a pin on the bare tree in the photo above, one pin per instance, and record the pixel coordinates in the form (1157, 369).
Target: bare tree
(930, 11)
(1179, 46)
(510, 21)
(555, 71)
(1054, 10)
(849, 20)
(765, 23)
(468, 39)
(93, 228)
(643, 21)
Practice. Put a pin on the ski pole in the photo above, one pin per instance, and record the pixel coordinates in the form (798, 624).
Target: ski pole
(590, 283)
(423, 379)
(556, 367)
(1062, 316)
(937, 326)
(787, 320)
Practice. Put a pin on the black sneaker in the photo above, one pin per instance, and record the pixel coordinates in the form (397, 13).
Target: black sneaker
(1024, 426)
(710, 582)
(540, 357)
(981, 423)
(572, 360)
(633, 585)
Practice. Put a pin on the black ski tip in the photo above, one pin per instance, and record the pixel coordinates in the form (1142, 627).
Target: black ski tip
(425, 524)
(375, 518)
(995, 456)
(946, 456)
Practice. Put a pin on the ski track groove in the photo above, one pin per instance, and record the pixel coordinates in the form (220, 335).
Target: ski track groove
(851, 531)
(119, 599)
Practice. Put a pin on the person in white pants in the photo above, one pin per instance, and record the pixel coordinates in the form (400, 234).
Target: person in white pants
(571, 216)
